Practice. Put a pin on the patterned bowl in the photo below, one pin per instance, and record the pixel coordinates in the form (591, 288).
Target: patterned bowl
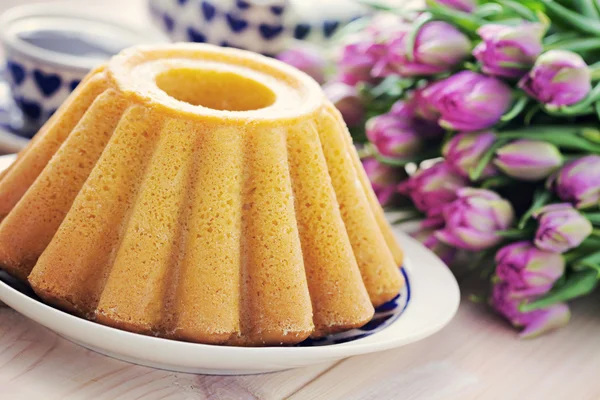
(263, 26)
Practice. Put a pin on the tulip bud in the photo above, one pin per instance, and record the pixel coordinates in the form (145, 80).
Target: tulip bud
(307, 59)
(432, 188)
(421, 101)
(460, 5)
(345, 98)
(561, 228)
(578, 182)
(506, 301)
(558, 78)
(528, 269)
(357, 60)
(473, 219)
(384, 179)
(528, 160)
(467, 101)
(464, 151)
(392, 136)
(509, 51)
(438, 47)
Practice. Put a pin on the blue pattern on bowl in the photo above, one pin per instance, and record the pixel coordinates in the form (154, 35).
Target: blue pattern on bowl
(385, 314)
(267, 28)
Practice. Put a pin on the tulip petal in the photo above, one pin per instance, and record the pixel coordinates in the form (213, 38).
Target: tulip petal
(555, 317)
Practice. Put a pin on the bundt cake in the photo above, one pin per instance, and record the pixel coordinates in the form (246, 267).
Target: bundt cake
(201, 194)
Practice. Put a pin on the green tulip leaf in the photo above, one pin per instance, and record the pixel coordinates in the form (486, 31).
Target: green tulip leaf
(573, 19)
(587, 7)
(577, 284)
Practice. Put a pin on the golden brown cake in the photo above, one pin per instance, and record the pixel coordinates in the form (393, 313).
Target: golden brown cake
(202, 194)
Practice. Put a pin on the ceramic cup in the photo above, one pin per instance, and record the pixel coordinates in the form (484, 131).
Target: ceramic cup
(263, 26)
(49, 49)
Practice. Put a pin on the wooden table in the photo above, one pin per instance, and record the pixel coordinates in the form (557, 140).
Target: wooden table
(478, 356)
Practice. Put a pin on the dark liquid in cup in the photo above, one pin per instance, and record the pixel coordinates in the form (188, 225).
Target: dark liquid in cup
(73, 43)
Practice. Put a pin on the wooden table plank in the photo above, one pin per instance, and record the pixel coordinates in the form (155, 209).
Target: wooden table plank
(478, 356)
(37, 364)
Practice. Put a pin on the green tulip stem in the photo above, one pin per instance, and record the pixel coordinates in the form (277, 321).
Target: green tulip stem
(516, 109)
(497, 181)
(541, 199)
(515, 234)
(587, 7)
(577, 284)
(414, 31)
(565, 137)
(476, 172)
(518, 8)
(401, 162)
(561, 37)
(572, 256)
(465, 21)
(576, 45)
(573, 19)
(488, 10)
(597, 4)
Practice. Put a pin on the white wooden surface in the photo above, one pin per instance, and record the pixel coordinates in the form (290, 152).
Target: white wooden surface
(476, 357)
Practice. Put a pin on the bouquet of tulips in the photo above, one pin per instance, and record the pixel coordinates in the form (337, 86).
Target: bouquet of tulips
(481, 119)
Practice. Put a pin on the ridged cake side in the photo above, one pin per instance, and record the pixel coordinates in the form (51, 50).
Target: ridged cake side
(201, 230)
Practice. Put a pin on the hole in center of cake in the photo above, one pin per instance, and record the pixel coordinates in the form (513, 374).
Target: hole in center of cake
(219, 90)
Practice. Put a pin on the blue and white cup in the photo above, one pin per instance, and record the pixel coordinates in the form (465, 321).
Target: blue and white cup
(262, 26)
(49, 49)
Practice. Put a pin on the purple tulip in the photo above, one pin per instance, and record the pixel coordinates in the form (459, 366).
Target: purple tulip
(578, 182)
(561, 228)
(467, 101)
(473, 219)
(438, 47)
(528, 269)
(358, 59)
(426, 235)
(307, 59)
(506, 301)
(464, 152)
(461, 5)
(393, 136)
(421, 101)
(347, 101)
(558, 78)
(528, 160)
(433, 188)
(384, 179)
(509, 51)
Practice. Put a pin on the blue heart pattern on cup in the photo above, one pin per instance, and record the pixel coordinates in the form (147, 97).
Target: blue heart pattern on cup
(47, 83)
(208, 10)
(195, 36)
(36, 91)
(236, 23)
(17, 72)
(269, 32)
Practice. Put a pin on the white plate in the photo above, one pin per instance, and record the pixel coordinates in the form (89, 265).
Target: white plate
(427, 303)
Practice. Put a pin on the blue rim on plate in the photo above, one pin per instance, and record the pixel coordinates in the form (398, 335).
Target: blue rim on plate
(385, 315)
